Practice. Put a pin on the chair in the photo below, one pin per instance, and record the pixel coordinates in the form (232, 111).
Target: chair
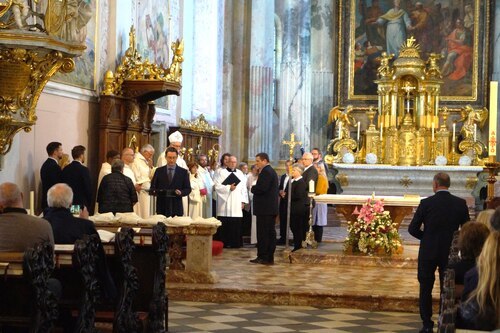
(158, 308)
(25, 290)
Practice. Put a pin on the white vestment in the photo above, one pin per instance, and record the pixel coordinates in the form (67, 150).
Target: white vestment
(195, 198)
(143, 174)
(127, 171)
(251, 181)
(229, 202)
(204, 175)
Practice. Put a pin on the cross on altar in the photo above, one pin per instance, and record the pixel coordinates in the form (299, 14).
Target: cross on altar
(291, 144)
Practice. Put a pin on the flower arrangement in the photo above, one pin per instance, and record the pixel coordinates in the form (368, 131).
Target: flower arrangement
(373, 231)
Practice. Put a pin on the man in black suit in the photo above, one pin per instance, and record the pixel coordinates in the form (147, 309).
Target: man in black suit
(77, 176)
(50, 172)
(441, 215)
(265, 208)
(310, 172)
(170, 183)
(283, 211)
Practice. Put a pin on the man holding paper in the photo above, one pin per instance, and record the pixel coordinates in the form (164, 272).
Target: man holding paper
(232, 195)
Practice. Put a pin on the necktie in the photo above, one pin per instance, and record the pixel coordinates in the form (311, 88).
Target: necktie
(170, 175)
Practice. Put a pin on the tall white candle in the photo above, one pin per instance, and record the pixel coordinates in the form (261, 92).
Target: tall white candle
(492, 130)
(340, 130)
(311, 186)
(32, 202)
(381, 130)
(359, 128)
(475, 132)
(454, 127)
(407, 105)
(432, 132)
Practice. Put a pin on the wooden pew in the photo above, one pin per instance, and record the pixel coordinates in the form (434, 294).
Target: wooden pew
(26, 299)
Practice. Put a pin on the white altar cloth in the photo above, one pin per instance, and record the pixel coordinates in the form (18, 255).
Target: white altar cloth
(389, 200)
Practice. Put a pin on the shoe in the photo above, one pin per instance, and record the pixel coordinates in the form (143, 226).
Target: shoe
(256, 261)
(267, 263)
(425, 330)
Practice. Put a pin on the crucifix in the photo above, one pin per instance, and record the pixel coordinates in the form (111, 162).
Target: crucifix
(291, 144)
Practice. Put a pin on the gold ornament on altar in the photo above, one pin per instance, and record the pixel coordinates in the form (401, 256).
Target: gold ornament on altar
(30, 54)
(408, 127)
(200, 124)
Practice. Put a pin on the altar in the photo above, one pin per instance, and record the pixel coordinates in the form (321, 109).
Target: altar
(397, 206)
(384, 180)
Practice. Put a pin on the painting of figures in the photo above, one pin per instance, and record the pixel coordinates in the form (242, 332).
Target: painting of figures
(458, 30)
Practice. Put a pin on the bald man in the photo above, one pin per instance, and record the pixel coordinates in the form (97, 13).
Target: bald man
(18, 230)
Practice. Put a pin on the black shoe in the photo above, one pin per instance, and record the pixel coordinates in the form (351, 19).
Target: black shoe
(267, 263)
(256, 261)
(426, 330)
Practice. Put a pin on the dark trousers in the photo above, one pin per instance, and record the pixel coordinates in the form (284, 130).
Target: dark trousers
(318, 233)
(266, 237)
(299, 226)
(230, 231)
(283, 214)
(426, 278)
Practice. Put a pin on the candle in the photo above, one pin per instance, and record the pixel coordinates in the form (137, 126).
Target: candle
(432, 131)
(407, 105)
(381, 130)
(32, 202)
(475, 132)
(311, 186)
(454, 127)
(340, 130)
(492, 129)
(359, 128)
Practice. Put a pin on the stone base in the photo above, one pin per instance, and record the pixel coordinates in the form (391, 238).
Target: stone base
(186, 276)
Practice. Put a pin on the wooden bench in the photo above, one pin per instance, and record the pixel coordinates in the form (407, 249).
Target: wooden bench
(27, 300)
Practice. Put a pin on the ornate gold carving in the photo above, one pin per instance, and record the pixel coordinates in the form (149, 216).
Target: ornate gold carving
(132, 67)
(410, 49)
(24, 74)
(405, 181)
(200, 124)
(343, 179)
(470, 182)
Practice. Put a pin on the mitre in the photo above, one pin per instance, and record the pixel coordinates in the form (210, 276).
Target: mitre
(175, 137)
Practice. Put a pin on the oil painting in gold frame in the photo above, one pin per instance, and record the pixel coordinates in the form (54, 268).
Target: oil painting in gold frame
(461, 35)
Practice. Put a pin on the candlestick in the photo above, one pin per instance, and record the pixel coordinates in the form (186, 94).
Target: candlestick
(475, 132)
(492, 129)
(359, 128)
(32, 202)
(432, 131)
(454, 127)
(381, 130)
(311, 186)
(407, 104)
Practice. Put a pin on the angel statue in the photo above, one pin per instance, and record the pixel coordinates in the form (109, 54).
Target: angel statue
(469, 117)
(343, 120)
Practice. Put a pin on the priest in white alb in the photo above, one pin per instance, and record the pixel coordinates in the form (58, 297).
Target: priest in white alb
(231, 198)
(204, 174)
(175, 140)
(143, 171)
(128, 159)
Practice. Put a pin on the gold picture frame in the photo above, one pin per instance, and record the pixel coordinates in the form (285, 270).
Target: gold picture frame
(361, 38)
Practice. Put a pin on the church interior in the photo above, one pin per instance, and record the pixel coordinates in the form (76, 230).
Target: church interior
(390, 93)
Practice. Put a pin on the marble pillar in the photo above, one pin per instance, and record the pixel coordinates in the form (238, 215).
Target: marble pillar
(322, 64)
(295, 76)
(260, 104)
(496, 55)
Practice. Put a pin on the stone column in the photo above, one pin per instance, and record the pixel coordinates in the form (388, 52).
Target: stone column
(260, 104)
(295, 76)
(322, 78)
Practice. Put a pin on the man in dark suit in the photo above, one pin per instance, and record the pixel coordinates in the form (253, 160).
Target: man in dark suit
(170, 183)
(283, 211)
(265, 208)
(50, 172)
(77, 176)
(310, 172)
(441, 215)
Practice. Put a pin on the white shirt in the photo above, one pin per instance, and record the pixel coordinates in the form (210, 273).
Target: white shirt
(229, 202)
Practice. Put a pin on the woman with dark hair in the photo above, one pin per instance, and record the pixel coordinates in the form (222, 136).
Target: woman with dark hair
(470, 242)
(481, 310)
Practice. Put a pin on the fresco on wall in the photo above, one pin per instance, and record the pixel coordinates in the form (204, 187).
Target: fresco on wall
(83, 76)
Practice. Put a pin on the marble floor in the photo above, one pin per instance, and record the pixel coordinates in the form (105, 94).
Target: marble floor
(391, 287)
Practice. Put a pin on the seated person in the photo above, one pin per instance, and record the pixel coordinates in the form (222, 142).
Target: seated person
(480, 309)
(116, 192)
(470, 242)
(67, 229)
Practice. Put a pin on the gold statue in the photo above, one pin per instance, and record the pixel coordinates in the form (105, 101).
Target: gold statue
(343, 120)
(175, 71)
(469, 117)
(384, 69)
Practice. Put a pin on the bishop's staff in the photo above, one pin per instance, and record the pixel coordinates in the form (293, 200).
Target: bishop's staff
(291, 145)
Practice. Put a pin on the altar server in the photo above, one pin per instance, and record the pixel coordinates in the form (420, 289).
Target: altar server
(205, 175)
(143, 171)
(231, 198)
